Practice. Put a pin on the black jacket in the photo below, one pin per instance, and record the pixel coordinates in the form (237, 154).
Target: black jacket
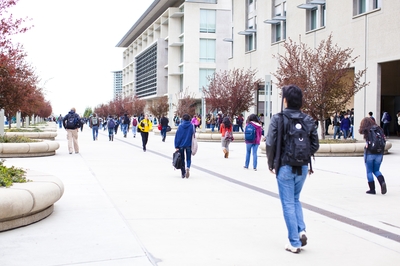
(76, 116)
(272, 136)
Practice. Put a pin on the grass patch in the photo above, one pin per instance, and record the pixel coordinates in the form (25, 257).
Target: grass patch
(23, 130)
(10, 175)
(336, 141)
(16, 139)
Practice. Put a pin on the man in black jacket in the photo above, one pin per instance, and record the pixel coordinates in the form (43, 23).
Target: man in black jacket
(290, 177)
(71, 124)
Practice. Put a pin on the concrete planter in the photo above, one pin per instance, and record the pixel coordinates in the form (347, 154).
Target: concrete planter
(339, 149)
(33, 135)
(27, 203)
(31, 149)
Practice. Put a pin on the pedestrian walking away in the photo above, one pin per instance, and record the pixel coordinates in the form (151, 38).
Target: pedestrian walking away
(125, 121)
(72, 123)
(252, 144)
(183, 143)
(94, 123)
(288, 159)
(111, 126)
(373, 153)
(164, 124)
(134, 125)
(145, 126)
(226, 135)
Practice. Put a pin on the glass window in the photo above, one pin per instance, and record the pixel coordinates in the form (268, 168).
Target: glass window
(363, 6)
(280, 28)
(204, 74)
(207, 20)
(314, 15)
(207, 50)
(251, 39)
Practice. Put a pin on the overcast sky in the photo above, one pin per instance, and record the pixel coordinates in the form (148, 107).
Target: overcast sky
(72, 47)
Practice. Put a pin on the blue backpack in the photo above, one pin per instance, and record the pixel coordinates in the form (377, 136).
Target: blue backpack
(250, 133)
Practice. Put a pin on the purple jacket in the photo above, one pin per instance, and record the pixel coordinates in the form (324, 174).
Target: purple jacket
(258, 133)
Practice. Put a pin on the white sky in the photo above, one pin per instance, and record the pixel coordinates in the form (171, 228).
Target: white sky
(72, 47)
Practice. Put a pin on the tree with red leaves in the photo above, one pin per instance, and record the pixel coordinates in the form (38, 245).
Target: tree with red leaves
(186, 104)
(159, 107)
(324, 74)
(231, 91)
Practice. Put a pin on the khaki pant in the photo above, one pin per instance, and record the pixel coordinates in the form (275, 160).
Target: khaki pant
(72, 137)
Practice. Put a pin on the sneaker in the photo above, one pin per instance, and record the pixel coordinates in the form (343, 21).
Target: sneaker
(303, 238)
(187, 172)
(245, 167)
(183, 176)
(255, 169)
(289, 247)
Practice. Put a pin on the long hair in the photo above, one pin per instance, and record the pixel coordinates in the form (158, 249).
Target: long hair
(366, 124)
(252, 117)
(227, 122)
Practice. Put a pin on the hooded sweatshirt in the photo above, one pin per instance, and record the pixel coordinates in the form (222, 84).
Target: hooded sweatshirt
(258, 133)
(183, 136)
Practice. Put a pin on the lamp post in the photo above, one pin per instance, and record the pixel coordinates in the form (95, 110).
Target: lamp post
(267, 99)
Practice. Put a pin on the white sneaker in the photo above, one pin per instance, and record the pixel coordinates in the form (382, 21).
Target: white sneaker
(289, 247)
(303, 238)
(187, 172)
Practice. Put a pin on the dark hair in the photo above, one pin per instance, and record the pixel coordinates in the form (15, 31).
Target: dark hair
(227, 122)
(293, 96)
(370, 113)
(365, 126)
(186, 117)
(253, 118)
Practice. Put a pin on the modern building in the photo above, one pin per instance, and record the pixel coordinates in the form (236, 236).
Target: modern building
(117, 84)
(173, 47)
(370, 27)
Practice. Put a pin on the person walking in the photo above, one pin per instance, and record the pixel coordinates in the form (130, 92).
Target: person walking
(125, 121)
(111, 127)
(252, 146)
(226, 135)
(94, 123)
(164, 124)
(183, 143)
(345, 125)
(336, 125)
(145, 126)
(290, 178)
(373, 159)
(71, 123)
(386, 119)
(60, 121)
(134, 125)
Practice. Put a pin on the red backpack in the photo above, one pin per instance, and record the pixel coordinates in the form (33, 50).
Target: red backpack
(134, 122)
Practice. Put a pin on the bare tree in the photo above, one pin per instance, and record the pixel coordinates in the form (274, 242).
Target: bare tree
(324, 74)
(231, 91)
(159, 107)
(186, 103)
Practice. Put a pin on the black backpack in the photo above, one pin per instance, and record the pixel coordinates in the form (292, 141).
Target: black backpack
(376, 140)
(72, 121)
(126, 120)
(297, 141)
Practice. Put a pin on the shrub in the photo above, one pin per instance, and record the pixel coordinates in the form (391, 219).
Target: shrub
(10, 175)
(23, 130)
(16, 139)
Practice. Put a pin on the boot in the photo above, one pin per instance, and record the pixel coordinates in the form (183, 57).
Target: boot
(371, 188)
(227, 154)
(382, 182)
(109, 138)
(112, 137)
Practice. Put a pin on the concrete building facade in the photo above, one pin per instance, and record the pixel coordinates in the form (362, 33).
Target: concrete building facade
(370, 27)
(117, 84)
(173, 47)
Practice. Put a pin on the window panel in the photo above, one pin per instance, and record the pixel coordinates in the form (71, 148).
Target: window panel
(204, 73)
(207, 20)
(207, 50)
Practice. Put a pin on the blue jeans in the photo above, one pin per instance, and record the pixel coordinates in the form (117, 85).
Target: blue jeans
(188, 151)
(336, 131)
(134, 130)
(290, 185)
(163, 133)
(60, 124)
(372, 164)
(251, 148)
(124, 129)
(95, 131)
(345, 133)
(212, 127)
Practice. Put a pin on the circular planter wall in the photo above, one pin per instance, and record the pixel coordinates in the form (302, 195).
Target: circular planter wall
(33, 135)
(27, 203)
(30, 149)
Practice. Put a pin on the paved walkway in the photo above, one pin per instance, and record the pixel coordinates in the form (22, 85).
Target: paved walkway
(123, 206)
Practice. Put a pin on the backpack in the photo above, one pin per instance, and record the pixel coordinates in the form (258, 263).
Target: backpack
(72, 121)
(134, 122)
(376, 140)
(111, 123)
(229, 135)
(177, 160)
(388, 117)
(126, 120)
(297, 141)
(249, 133)
(94, 121)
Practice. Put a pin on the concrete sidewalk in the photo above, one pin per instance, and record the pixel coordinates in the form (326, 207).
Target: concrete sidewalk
(123, 206)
